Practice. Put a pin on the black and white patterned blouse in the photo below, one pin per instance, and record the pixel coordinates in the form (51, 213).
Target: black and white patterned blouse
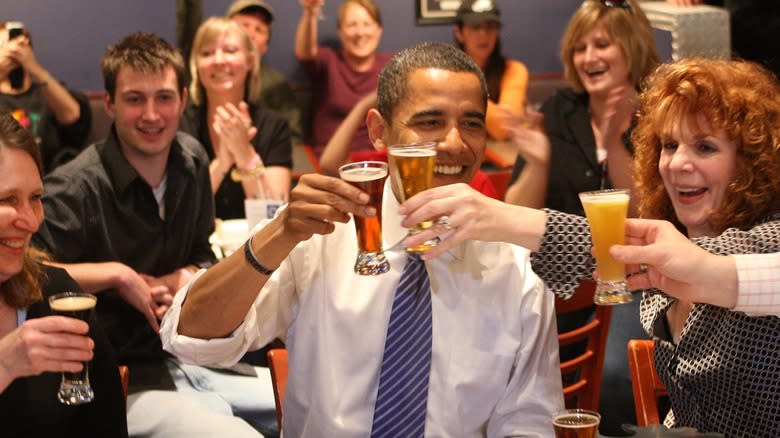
(724, 375)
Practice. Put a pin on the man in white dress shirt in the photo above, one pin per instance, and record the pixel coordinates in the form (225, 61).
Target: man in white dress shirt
(494, 368)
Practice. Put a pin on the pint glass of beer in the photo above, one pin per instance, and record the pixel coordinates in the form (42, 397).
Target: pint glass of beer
(576, 423)
(368, 176)
(74, 388)
(606, 211)
(412, 167)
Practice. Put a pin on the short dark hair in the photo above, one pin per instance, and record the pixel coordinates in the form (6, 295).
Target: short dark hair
(393, 78)
(143, 52)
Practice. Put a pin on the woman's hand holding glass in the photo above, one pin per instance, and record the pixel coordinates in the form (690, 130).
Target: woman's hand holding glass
(48, 344)
(470, 216)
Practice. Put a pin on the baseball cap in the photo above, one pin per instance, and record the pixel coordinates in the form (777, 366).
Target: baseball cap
(239, 6)
(476, 12)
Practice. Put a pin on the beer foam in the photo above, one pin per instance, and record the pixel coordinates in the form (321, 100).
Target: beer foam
(363, 174)
(576, 421)
(73, 304)
(606, 198)
(413, 152)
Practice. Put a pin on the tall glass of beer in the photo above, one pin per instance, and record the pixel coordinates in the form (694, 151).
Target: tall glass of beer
(412, 168)
(606, 211)
(576, 423)
(368, 176)
(74, 387)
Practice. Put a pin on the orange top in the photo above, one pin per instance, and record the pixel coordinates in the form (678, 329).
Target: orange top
(514, 87)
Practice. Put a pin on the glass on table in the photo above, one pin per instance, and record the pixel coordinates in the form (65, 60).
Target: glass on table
(576, 423)
(606, 211)
(412, 166)
(368, 176)
(74, 387)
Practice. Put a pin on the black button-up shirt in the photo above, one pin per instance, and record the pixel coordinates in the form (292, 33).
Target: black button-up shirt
(99, 209)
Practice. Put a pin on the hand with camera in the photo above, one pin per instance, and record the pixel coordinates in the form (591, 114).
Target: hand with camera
(7, 63)
(10, 67)
(17, 52)
(21, 52)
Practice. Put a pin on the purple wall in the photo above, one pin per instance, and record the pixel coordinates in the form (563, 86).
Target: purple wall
(70, 36)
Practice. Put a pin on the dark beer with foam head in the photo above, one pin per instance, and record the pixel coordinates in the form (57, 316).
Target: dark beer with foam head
(74, 388)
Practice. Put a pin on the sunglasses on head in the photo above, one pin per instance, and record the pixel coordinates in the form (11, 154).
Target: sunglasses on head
(616, 4)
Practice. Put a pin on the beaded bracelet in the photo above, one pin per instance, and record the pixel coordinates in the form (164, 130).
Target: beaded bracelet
(239, 175)
(252, 259)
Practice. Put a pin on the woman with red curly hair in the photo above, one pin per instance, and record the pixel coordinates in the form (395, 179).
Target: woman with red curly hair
(707, 158)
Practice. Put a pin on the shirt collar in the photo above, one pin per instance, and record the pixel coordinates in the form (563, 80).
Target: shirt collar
(117, 167)
(123, 174)
(392, 230)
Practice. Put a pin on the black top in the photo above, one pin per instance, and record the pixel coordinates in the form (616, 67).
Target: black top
(574, 167)
(98, 209)
(59, 143)
(272, 143)
(29, 406)
(724, 373)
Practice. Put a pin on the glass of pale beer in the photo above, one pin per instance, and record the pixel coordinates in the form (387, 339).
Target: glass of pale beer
(368, 176)
(606, 211)
(74, 387)
(412, 167)
(576, 423)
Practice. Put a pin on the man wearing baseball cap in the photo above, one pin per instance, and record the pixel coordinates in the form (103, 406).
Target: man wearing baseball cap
(256, 17)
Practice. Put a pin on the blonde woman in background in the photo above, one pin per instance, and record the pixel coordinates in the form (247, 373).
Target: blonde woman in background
(249, 146)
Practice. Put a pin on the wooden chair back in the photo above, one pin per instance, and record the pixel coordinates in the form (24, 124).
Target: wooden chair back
(582, 374)
(277, 364)
(313, 160)
(645, 382)
(124, 377)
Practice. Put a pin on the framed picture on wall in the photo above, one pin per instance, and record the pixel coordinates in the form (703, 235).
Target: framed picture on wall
(436, 11)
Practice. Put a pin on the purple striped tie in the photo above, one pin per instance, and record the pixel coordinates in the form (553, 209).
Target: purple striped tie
(406, 364)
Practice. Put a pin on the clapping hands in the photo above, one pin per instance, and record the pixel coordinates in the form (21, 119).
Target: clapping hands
(527, 133)
(235, 131)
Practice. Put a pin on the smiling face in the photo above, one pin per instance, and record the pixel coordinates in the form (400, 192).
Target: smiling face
(224, 64)
(441, 106)
(599, 62)
(21, 212)
(256, 27)
(697, 167)
(146, 108)
(358, 32)
(478, 41)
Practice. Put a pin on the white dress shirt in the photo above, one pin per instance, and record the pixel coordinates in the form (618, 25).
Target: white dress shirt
(495, 368)
(758, 280)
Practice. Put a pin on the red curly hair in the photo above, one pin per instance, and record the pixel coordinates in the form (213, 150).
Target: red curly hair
(740, 99)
